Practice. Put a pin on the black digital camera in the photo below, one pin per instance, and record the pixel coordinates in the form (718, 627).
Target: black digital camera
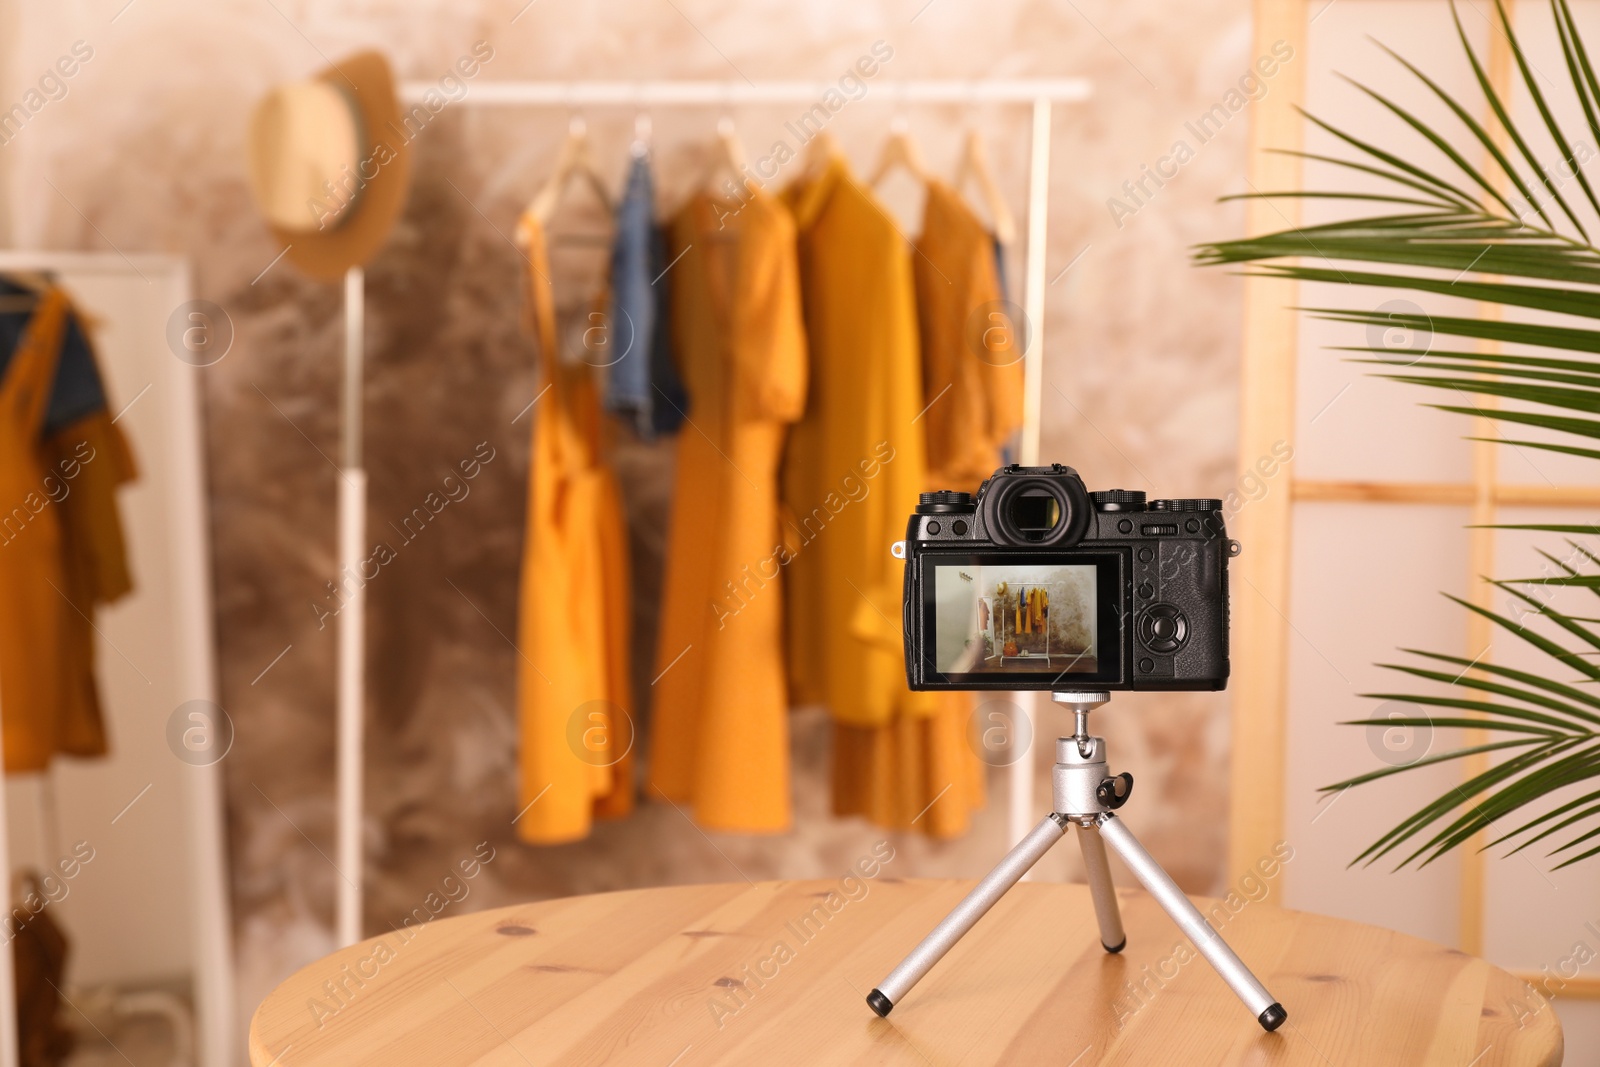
(1039, 584)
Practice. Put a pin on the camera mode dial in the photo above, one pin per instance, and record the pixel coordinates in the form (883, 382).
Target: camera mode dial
(943, 502)
(1187, 504)
(1118, 500)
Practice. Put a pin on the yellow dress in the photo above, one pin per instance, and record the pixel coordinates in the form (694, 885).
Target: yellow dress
(719, 736)
(61, 553)
(971, 354)
(572, 630)
(856, 462)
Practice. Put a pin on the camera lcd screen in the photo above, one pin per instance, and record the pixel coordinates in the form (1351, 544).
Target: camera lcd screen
(1023, 623)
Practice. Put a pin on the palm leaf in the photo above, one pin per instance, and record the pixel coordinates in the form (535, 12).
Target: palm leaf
(1446, 226)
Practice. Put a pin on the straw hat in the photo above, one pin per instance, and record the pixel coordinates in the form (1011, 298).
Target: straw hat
(329, 164)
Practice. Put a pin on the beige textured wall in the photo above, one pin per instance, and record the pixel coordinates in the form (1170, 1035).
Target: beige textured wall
(145, 154)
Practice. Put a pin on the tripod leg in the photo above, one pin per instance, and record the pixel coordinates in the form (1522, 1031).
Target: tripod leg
(1100, 889)
(972, 908)
(1269, 1013)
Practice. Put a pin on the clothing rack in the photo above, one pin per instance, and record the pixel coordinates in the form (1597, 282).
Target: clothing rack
(1037, 93)
(1053, 588)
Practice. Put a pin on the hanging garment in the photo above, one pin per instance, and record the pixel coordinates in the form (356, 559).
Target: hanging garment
(77, 389)
(33, 610)
(95, 559)
(573, 616)
(643, 383)
(719, 733)
(61, 544)
(854, 467)
(971, 354)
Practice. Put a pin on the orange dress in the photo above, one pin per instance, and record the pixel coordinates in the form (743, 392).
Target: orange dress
(572, 630)
(856, 463)
(96, 564)
(719, 729)
(61, 553)
(971, 354)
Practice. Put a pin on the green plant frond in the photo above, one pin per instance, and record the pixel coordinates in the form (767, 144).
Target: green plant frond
(1574, 65)
(1541, 298)
(1493, 99)
(1463, 724)
(1580, 427)
(1494, 713)
(1575, 859)
(1484, 362)
(1539, 820)
(1547, 446)
(1574, 843)
(1428, 761)
(1539, 641)
(1550, 123)
(1566, 338)
(1410, 826)
(1508, 786)
(1583, 551)
(1573, 581)
(1551, 831)
(1472, 124)
(1429, 361)
(1560, 618)
(1585, 399)
(1312, 194)
(1461, 196)
(1469, 254)
(1465, 233)
(1555, 527)
(1428, 188)
(1532, 781)
(1440, 143)
(1574, 719)
(1525, 677)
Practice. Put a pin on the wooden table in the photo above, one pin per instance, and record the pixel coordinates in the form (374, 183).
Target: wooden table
(766, 974)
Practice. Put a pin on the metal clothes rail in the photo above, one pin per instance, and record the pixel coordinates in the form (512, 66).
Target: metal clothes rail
(1037, 93)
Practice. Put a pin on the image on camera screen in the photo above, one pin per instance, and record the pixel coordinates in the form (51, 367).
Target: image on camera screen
(1015, 618)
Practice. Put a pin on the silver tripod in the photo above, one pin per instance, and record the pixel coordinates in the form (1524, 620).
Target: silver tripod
(1085, 794)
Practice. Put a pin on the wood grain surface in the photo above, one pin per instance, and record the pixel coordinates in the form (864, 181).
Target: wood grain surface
(778, 972)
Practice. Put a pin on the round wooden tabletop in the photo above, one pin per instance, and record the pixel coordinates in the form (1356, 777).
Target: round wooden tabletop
(778, 972)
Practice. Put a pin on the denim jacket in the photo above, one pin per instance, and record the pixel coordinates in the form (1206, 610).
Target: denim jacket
(644, 381)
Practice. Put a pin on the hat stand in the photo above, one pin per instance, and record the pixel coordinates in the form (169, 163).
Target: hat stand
(352, 618)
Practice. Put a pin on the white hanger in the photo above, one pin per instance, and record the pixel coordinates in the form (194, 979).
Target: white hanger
(900, 150)
(822, 147)
(975, 163)
(641, 135)
(729, 158)
(575, 160)
(641, 126)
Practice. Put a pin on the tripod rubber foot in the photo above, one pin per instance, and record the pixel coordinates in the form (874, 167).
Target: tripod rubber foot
(1270, 1019)
(1114, 949)
(882, 1005)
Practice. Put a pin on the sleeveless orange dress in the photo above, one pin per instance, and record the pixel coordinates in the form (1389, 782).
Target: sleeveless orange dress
(573, 633)
(34, 627)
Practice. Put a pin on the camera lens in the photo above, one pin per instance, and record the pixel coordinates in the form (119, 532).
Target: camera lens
(1034, 512)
